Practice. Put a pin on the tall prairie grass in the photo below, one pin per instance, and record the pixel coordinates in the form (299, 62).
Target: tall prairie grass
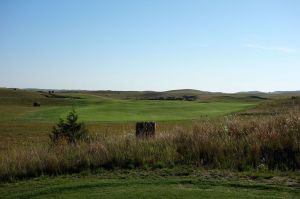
(234, 143)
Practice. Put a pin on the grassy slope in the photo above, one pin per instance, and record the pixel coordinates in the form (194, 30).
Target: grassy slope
(17, 105)
(18, 119)
(20, 122)
(161, 183)
(126, 110)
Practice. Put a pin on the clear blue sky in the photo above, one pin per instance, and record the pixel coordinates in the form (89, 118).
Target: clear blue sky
(214, 45)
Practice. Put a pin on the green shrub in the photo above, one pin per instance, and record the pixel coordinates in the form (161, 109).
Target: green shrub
(69, 130)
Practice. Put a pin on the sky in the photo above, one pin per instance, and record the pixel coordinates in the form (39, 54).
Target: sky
(210, 45)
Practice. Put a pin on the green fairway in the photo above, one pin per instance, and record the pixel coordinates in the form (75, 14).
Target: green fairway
(93, 108)
(124, 110)
(148, 184)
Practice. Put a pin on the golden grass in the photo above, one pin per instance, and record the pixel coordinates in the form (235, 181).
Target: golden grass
(17, 134)
(235, 143)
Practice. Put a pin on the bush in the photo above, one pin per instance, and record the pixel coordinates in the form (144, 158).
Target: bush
(69, 130)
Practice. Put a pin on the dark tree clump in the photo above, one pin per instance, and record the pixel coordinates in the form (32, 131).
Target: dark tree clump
(70, 130)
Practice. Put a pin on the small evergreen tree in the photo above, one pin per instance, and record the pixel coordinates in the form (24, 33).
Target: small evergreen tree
(69, 130)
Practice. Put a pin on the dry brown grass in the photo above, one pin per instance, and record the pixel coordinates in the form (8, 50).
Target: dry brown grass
(235, 143)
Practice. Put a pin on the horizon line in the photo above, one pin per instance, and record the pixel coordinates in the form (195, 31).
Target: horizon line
(112, 90)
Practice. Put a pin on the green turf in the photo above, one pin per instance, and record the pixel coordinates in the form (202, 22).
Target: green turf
(91, 108)
(125, 110)
(150, 184)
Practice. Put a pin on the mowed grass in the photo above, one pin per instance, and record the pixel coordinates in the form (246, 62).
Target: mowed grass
(93, 108)
(152, 184)
(136, 110)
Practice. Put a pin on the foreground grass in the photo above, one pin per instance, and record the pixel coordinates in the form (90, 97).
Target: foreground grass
(235, 143)
(183, 182)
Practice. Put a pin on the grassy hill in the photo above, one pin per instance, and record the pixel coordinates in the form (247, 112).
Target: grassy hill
(103, 111)
(117, 111)
(25, 128)
(107, 106)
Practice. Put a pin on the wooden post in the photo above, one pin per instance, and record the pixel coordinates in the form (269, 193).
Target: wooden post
(36, 104)
(145, 129)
